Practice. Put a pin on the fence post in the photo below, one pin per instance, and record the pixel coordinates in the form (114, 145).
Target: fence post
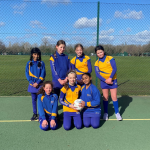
(98, 8)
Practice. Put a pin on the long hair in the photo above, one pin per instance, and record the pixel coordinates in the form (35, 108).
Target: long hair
(79, 45)
(57, 44)
(35, 50)
(66, 86)
(41, 91)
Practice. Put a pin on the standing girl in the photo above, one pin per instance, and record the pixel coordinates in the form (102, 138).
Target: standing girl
(91, 100)
(105, 69)
(69, 93)
(81, 63)
(47, 106)
(60, 65)
(35, 74)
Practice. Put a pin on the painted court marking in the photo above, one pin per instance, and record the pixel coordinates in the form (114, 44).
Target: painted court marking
(62, 120)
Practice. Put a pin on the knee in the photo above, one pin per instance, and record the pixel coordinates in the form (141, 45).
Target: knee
(87, 125)
(96, 125)
(79, 126)
(67, 127)
(44, 128)
(54, 128)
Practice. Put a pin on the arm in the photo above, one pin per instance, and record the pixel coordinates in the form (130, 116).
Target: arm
(89, 66)
(72, 66)
(98, 75)
(27, 73)
(113, 64)
(54, 110)
(61, 99)
(95, 98)
(42, 75)
(40, 108)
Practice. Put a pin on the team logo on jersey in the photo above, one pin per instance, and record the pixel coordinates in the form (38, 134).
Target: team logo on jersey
(108, 62)
(115, 83)
(88, 95)
(96, 112)
(77, 112)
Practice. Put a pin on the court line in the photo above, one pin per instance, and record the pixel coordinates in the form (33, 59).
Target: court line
(62, 120)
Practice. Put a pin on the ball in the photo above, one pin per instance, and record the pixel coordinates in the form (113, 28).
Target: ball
(76, 104)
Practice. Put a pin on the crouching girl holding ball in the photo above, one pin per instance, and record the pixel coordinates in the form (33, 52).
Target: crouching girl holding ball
(91, 102)
(69, 93)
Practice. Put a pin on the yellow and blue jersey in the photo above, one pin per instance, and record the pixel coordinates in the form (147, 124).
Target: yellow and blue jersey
(35, 74)
(81, 64)
(47, 105)
(106, 68)
(91, 97)
(68, 97)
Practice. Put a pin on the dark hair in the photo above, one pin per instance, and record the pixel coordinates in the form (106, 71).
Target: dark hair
(59, 43)
(66, 86)
(100, 47)
(79, 45)
(88, 74)
(41, 91)
(35, 50)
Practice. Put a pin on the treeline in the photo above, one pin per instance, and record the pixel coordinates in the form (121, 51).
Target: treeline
(48, 49)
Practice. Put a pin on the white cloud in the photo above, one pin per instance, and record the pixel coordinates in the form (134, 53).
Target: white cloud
(84, 22)
(19, 8)
(121, 32)
(50, 39)
(128, 29)
(128, 14)
(2, 24)
(107, 32)
(55, 2)
(79, 39)
(37, 24)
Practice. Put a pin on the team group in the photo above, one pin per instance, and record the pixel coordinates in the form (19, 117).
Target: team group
(71, 80)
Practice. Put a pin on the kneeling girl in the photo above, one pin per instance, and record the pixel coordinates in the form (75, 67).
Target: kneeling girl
(47, 106)
(91, 102)
(69, 93)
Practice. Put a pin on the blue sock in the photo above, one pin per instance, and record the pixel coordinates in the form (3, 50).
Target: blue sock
(115, 103)
(105, 105)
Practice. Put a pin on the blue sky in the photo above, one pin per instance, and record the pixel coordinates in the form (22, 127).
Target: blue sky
(75, 21)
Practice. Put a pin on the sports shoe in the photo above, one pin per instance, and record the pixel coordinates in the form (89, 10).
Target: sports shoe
(119, 118)
(34, 117)
(105, 117)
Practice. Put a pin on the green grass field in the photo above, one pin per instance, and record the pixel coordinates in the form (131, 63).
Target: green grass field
(132, 74)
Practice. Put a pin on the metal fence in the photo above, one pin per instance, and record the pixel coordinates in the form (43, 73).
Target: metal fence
(123, 30)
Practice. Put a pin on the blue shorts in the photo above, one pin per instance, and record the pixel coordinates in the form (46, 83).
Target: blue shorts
(32, 89)
(109, 86)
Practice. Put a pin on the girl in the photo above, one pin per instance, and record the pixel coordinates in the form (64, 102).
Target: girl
(35, 74)
(91, 100)
(69, 93)
(60, 65)
(47, 106)
(81, 63)
(105, 69)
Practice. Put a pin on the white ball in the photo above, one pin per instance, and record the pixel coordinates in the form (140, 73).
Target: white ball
(76, 104)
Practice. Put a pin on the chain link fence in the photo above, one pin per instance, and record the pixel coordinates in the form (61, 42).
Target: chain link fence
(124, 31)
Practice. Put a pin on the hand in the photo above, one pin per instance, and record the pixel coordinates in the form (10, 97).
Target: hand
(35, 85)
(52, 123)
(72, 106)
(80, 81)
(109, 81)
(82, 104)
(44, 123)
(61, 81)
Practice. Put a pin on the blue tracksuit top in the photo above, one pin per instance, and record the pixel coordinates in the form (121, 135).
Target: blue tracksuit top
(59, 66)
(91, 96)
(47, 105)
(35, 74)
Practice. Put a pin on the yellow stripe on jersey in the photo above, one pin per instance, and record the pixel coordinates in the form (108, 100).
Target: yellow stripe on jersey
(42, 97)
(30, 74)
(105, 68)
(54, 114)
(89, 104)
(81, 67)
(82, 87)
(46, 111)
(51, 58)
(71, 96)
(41, 78)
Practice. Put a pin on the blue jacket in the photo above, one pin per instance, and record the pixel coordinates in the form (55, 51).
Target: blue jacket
(35, 74)
(47, 105)
(91, 96)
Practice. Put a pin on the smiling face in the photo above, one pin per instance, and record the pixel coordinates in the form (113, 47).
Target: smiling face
(79, 51)
(48, 89)
(100, 53)
(86, 79)
(60, 48)
(35, 56)
(72, 78)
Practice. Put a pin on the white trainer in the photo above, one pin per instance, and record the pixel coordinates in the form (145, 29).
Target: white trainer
(119, 118)
(105, 117)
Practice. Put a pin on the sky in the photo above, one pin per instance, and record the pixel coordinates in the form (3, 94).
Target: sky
(74, 21)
